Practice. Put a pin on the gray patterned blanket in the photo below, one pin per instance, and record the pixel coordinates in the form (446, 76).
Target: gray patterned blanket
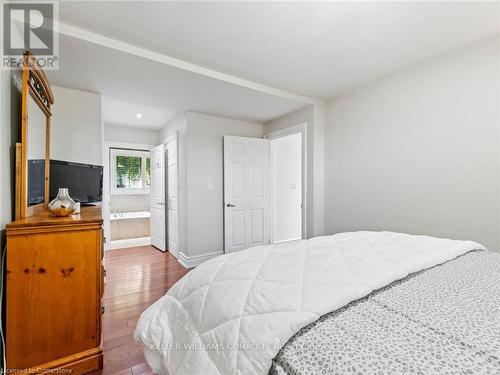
(444, 320)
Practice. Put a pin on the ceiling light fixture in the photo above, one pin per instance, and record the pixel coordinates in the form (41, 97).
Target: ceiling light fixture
(138, 115)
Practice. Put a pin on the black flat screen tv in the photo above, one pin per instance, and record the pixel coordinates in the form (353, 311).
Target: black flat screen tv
(84, 181)
(36, 181)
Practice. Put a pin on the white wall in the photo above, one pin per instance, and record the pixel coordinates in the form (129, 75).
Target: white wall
(10, 120)
(5, 165)
(204, 165)
(294, 118)
(286, 166)
(113, 133)
(37, 131)
(5, 153)
(76, 127)
(200, 162)
(177, 124)
(10, 133)
(418, 151)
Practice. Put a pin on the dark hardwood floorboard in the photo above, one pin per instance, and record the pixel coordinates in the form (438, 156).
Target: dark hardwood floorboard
(135, 278)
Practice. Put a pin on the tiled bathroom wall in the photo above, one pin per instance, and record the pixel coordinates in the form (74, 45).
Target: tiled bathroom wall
(129, 202)
(129, 228)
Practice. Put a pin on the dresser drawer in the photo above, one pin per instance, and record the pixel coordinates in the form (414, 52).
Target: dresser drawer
(54, 290)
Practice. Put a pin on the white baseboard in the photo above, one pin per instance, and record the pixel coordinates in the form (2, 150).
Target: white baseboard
(196, 260)
(288, 240)
(130, 242)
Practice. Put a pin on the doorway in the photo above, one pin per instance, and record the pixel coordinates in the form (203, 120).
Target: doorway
(165, 196)
(265, 188)
(286, 188)
(172, 195)
(126, 195)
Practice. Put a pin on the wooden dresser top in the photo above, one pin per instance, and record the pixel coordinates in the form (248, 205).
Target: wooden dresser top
(87, 215)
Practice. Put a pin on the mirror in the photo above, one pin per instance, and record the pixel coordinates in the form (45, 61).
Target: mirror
(36, 153)
(32, 154)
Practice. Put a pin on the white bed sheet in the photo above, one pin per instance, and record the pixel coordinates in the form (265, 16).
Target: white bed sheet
(232, 314)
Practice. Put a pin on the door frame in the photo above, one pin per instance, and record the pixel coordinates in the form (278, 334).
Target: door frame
(299, 128)
(173, 137)
(106, 182)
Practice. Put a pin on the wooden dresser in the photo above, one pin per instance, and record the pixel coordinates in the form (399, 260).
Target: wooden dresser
(55, 283)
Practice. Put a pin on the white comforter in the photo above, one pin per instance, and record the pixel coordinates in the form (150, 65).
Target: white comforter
(232, 314)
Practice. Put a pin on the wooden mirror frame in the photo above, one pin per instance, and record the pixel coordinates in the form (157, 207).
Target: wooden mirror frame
(36, 84)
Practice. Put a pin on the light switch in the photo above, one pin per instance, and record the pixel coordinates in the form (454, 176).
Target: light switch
(210, 186)
(293, 186)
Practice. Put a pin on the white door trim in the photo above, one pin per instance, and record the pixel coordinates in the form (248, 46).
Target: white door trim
(299, 128)
(106, 183)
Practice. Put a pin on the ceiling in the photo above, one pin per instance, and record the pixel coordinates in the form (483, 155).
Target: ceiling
(313, 49)
(130, 84)
(318, 49)
(123, 113)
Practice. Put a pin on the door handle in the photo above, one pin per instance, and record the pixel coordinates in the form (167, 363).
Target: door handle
(230, 205)
(162, 203)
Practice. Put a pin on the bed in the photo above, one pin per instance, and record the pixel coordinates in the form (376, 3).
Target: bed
(358, 302)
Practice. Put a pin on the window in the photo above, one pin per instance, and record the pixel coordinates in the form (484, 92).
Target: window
(130, 172)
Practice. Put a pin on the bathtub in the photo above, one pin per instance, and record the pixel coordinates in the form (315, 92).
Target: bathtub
(130, 215)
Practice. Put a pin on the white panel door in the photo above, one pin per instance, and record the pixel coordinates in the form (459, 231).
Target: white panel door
(172, 198)
(246, 192)
(157, 199)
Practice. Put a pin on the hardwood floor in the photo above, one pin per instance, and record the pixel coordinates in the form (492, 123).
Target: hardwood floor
(135, 278)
